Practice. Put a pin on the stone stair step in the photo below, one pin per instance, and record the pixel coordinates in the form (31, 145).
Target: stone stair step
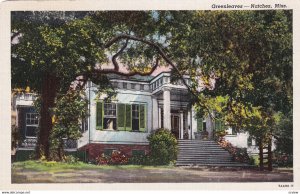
(204, 153)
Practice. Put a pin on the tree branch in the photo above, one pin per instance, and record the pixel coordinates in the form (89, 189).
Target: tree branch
(162, 54)
(114, 58)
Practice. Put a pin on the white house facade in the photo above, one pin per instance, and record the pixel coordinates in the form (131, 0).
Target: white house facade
(142, 104)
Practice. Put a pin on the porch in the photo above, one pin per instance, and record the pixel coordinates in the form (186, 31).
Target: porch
(172, 110)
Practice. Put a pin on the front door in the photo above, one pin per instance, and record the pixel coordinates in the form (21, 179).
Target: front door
(175, 125)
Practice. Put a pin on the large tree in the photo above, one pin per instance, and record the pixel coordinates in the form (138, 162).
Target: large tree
(50, 50)
(249, 54)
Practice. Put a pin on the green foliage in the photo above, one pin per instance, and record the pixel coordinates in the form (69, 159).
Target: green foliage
(163, 147)
(69, 110)
(238, 154)
(254, 160)
(283, 160)
(70, 159)
(284, 134)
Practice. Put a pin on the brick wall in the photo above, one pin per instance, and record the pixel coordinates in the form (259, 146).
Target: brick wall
(94, 150)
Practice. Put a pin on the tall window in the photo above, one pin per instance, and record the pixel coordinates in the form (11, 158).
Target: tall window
(124, 85)
(133, 86)
(110, 115)
(135, 117)
(141, 87)
(32, 122)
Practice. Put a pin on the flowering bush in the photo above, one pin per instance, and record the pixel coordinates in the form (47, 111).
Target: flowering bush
(116, 158)
(238, 154)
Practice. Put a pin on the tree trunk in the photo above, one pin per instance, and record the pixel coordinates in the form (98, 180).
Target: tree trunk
(48, 94)
(60, 150)
(270, 168)
(261, 155)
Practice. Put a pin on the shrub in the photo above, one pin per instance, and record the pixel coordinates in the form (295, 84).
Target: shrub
(163, 147)
(70, 159)
(116, 158)
(238, 154)
(254, 160)
(283, 160)
(139, 160)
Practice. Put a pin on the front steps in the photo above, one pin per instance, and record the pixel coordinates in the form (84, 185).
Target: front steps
(204, 153)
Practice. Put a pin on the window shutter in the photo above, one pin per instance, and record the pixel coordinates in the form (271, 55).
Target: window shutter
(128, 119)
(142, 117)
(99, 115)
(220, 125)
(199, 124)
(223, 127)
(121, 116)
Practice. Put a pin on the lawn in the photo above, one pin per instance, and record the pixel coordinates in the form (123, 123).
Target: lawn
(52, 166)
(57, 172)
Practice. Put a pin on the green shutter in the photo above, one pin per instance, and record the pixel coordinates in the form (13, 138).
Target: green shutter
(220, 125)
(128, 119)
(99, 115)
(121, 116)
(142, 116)
(223, 127)
(199, 124)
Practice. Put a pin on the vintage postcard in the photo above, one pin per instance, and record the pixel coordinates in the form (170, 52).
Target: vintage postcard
(149, 95)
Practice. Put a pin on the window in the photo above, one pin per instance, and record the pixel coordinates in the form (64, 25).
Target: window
(121, 117)
(133, 86)
(141, 87)
(200, 124)
(160, 81)
(135, 117)
(138, 113)
(124, 85)
(219, 125)
(138, 153)
(84, 124)
(32, 122)
(110, 113)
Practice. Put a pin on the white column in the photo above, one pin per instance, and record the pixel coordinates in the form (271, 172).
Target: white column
(155, 113)
(189, 122)
(209, 127)
(159, 117)
(181, 125)
(167, 108)
(193, 122)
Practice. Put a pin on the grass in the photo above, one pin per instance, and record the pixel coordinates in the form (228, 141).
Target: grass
(52, 166)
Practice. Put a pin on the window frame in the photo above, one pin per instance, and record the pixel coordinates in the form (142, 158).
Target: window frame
(31, 124)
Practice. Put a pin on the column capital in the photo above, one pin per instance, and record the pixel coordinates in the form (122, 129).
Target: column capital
(166, 89)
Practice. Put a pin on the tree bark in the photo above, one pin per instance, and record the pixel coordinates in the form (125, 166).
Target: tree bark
(270, 167)
(48, 94)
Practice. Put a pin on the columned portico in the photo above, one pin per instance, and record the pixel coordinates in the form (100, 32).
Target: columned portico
(167, 108)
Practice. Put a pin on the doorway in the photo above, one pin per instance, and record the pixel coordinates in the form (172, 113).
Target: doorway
(175, 125)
